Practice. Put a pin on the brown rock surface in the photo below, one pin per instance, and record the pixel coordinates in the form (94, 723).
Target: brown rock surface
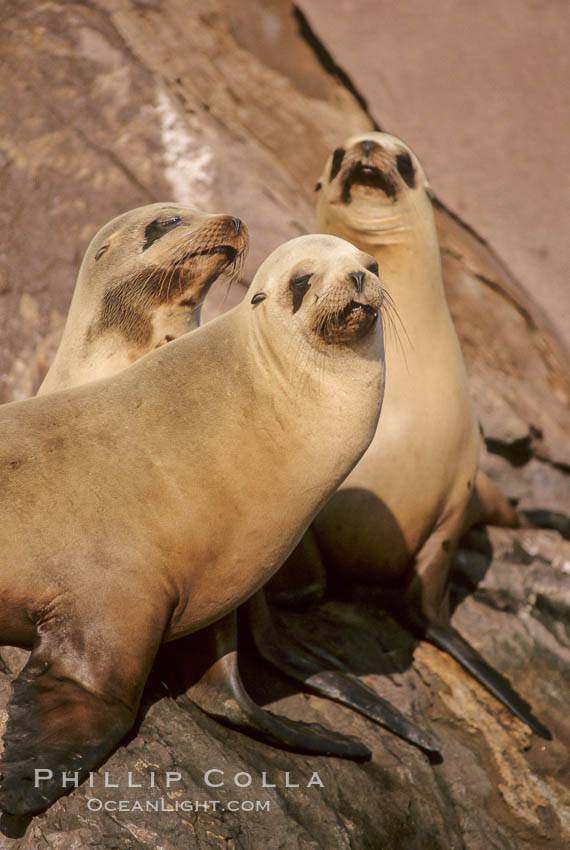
(112, 103)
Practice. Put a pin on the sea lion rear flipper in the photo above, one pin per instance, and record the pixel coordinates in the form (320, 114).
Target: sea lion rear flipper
(219, 692)
(450, 641)
(488, 505)
(541, 518)
(337, 684)
(71, 704)
(425, 610)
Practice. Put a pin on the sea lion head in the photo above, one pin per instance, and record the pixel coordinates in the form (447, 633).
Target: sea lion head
(141, 284)
(328, 290)
(370, 183)
(146, 273)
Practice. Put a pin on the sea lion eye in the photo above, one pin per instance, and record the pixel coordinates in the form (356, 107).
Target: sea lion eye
(157, 228)
(259, 296)
(373, 267)
(101, 251)
(299, 286)
(406, 169)
(318, 187)
(338, 157)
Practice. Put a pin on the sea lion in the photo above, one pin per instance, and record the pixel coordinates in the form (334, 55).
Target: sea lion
(140, 531)
(399, 515)
(142, 282)
(218, 690)
(85, 353)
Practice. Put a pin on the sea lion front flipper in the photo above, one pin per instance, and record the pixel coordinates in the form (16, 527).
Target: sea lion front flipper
(72, 703)
(220, 692)
(450, 641)
(337, 684)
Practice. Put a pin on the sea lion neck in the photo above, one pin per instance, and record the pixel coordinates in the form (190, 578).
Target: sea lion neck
(372, 219)
(299, 365)
(395, 234)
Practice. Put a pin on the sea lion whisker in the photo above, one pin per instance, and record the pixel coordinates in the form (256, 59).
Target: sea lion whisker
(233, 272)
(164, 271)
(168, 282)
(395, 323)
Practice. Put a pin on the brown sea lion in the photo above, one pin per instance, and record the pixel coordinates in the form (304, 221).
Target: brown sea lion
(399, 515)
(124, 526)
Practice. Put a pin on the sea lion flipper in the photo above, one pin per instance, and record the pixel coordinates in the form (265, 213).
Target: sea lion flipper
(220, 692)
(57, 727)
(425, 610)
(70, 705)
(222, 695)
(337, 684)
(542, 518)
(487, 505)
(450, 641)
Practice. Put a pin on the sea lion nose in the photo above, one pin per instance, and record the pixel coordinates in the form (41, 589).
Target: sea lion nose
(358, 279)
(237, 224)
(367, 147)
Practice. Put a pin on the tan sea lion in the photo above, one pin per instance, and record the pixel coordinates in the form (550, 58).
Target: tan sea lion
(401, 512)
(141, 533)
(90, 350)
(142, 282)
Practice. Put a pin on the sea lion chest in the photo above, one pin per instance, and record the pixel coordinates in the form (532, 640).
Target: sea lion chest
(423, 458)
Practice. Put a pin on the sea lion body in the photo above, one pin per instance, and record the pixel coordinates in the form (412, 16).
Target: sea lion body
(124, 524)
(214, 683)
(400, 514)
(404, 506)
(418, 474)
(142, 282)
(134, 461)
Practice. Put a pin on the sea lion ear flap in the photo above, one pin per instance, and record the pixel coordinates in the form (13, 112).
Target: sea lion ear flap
(427, 187)
(319, 186)
(259, 296)
(101, 251)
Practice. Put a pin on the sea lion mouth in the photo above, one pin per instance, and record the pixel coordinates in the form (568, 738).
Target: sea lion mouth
(370, 176)
(228, 251)
(354, 321)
